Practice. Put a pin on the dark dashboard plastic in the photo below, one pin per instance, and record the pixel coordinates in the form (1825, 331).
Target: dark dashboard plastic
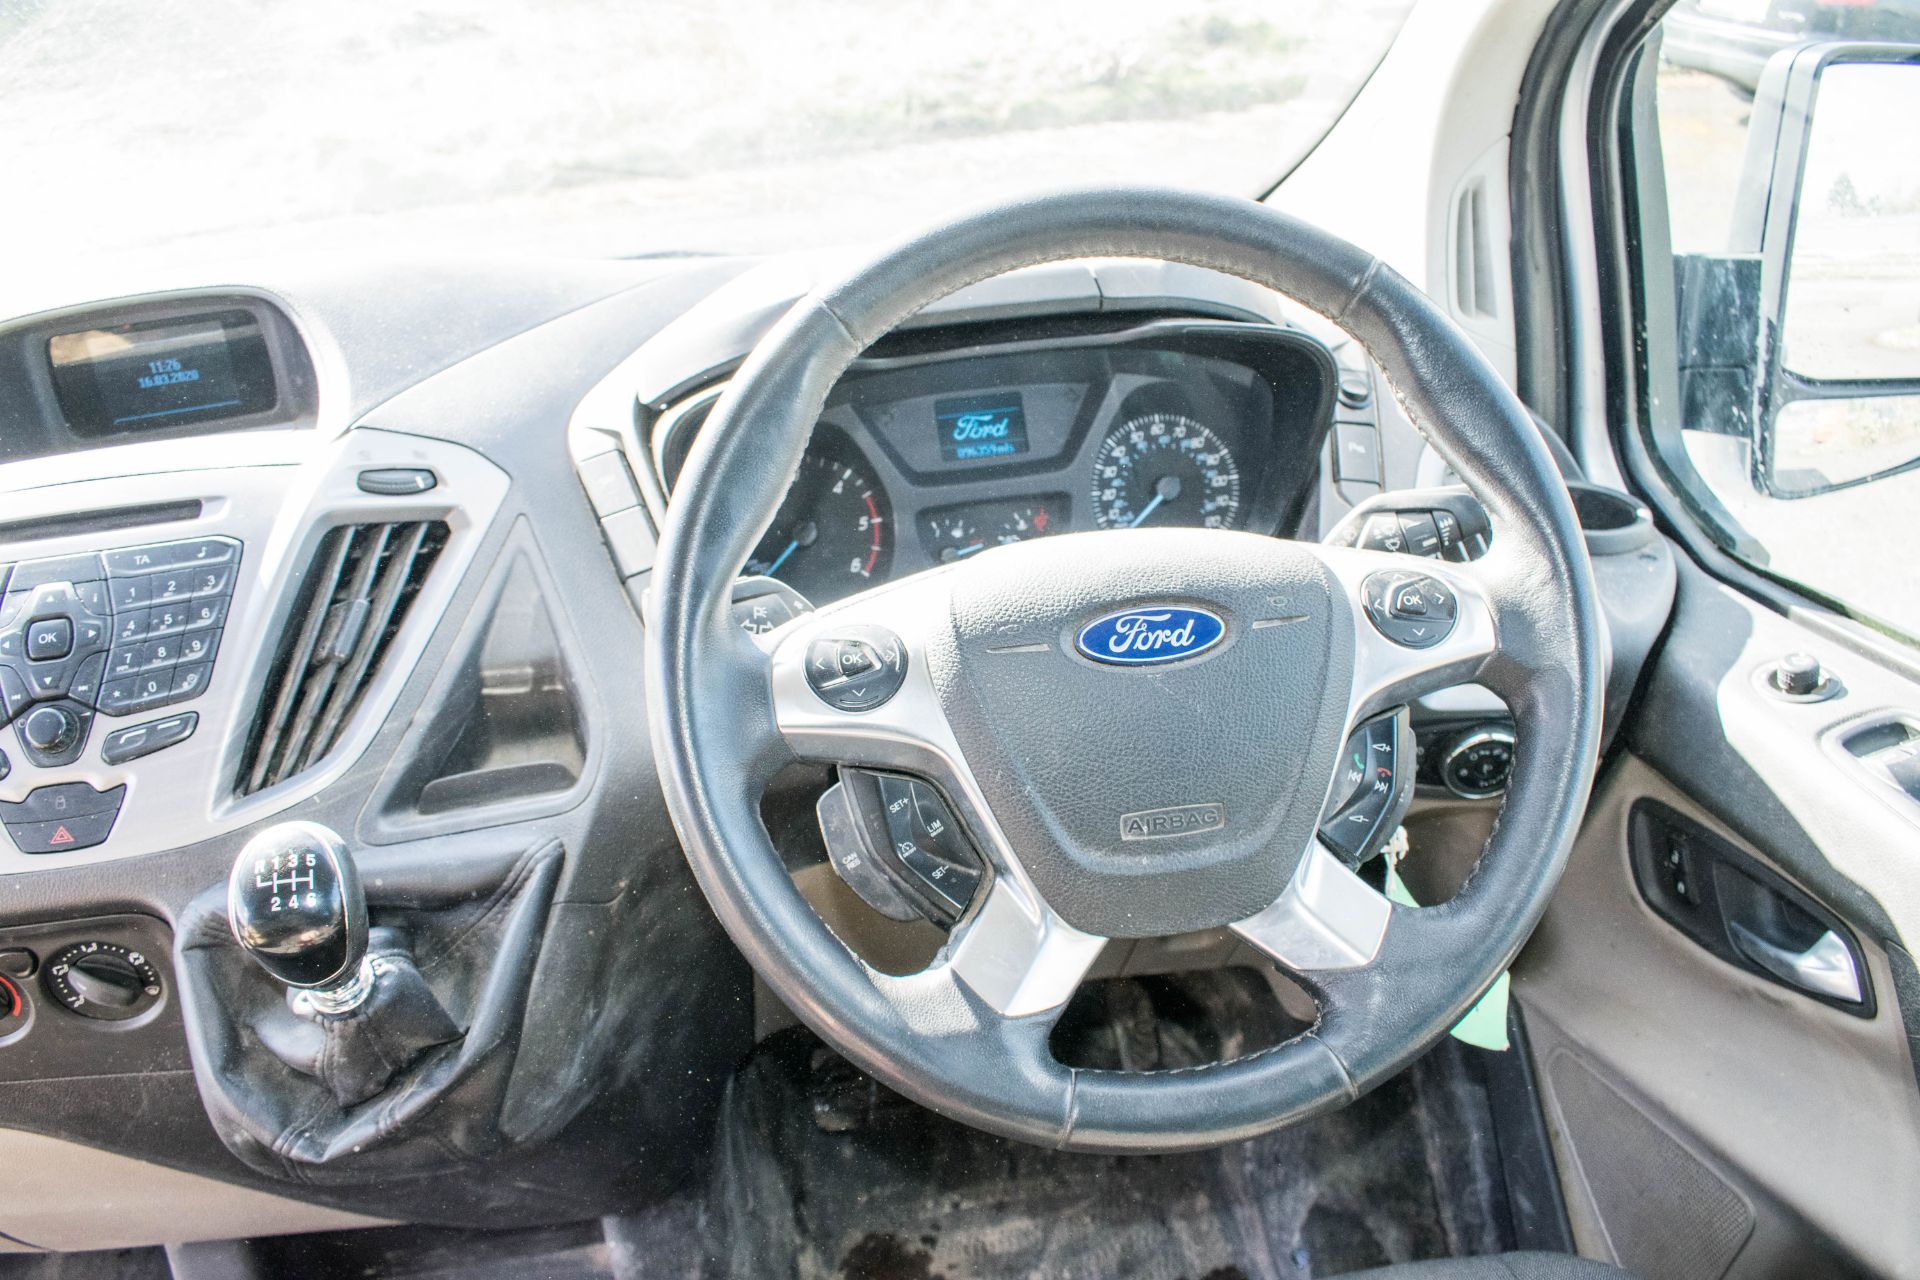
(638, 1008)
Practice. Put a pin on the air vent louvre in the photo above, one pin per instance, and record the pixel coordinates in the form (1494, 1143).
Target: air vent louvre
(363, 580)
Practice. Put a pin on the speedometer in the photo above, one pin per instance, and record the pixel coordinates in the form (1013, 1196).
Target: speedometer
(1165, 469)
(831, 536)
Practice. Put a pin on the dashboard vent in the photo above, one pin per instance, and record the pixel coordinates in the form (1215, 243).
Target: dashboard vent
(363, 579)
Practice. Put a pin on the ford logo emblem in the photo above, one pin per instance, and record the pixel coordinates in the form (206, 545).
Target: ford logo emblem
(1158, 633)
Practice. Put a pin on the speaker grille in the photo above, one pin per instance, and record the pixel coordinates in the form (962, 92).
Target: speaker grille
(1667, 1215)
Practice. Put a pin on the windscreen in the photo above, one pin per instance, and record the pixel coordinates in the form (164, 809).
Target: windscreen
(182, 128)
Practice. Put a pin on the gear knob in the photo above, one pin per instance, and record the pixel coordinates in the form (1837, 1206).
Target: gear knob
(296, 906)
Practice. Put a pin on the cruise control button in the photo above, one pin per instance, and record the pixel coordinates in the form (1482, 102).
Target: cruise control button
(928, 842)
(49, 639)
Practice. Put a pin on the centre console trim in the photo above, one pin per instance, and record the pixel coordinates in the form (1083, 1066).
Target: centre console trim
(280, 510)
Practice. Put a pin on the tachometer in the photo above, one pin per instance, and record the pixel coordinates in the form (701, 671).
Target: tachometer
(1164, 469)
(832, 535)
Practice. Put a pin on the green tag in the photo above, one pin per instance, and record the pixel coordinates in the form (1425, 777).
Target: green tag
(1485, 1025)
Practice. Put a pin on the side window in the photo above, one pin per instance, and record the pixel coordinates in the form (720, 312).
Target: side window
(1789, 377)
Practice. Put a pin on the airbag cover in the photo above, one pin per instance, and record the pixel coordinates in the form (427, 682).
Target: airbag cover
(1153, 798)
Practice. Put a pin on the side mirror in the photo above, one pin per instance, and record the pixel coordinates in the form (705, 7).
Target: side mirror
(1829, 204)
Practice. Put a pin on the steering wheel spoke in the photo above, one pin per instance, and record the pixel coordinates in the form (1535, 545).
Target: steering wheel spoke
(1011, 949)
(1329, 918)
(1018, 955)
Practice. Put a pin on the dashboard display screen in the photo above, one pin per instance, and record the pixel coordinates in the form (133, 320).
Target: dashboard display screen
(986, 426)
(156, 374)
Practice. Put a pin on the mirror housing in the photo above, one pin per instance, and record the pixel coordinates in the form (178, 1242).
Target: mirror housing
(1737, 369)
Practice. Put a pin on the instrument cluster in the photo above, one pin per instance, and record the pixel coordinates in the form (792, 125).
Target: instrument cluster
(931, 458)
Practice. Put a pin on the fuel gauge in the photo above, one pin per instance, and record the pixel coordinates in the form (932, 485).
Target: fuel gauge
(955, 533)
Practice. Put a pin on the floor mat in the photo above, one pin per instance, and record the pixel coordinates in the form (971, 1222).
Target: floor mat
(901, 1194)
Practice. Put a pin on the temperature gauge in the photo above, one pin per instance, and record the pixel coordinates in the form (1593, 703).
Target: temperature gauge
(955, 533)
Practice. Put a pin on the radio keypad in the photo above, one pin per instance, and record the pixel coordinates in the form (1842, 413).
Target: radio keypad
(121, 632)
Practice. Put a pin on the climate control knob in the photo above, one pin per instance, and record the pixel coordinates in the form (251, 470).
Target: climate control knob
(103, 981)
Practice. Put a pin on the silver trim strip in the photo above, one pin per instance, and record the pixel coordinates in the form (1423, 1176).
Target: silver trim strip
(1329, 918)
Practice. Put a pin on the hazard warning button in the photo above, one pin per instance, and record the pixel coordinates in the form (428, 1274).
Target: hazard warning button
(62, 836)
(62, 818)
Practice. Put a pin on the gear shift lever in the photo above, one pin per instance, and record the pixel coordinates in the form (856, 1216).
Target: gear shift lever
(296, 906)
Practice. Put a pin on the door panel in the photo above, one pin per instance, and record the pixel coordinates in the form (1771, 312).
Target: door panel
(1772, 1134)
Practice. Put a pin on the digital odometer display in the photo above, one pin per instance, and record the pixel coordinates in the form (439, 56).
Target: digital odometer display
(976, 427)
(157, 374)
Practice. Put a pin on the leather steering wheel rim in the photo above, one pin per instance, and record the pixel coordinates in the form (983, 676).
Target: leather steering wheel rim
(932, 1036)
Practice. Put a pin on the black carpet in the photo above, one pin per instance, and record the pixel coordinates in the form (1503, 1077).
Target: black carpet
(824, 1175)
(821, 1174)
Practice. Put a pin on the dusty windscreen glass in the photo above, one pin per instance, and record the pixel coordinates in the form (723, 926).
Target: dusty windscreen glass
(187, 127)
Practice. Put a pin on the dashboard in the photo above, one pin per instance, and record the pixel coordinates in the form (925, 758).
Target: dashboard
(372, 548)
(927, 457)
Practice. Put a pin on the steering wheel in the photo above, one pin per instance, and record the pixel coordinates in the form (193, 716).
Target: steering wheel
(1045, 753)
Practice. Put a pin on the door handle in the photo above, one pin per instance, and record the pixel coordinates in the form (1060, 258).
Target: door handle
(1826, 967)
